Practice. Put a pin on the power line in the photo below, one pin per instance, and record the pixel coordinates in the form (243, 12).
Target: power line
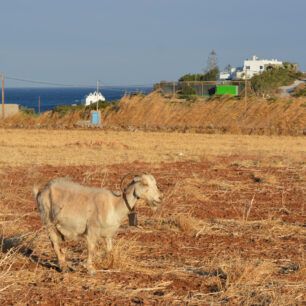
(45, 82)
(41, 82)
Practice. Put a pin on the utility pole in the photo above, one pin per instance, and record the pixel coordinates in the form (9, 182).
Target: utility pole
(3, 105)
(245, 87)
(39, 104)
(245, 90)
(97, 94)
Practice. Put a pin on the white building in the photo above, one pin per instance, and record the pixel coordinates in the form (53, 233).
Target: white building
(250, 68)
(94, 97)
(228, 74)
(255, 66)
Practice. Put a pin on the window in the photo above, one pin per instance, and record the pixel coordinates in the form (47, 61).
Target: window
(260, 67)
(248, 67)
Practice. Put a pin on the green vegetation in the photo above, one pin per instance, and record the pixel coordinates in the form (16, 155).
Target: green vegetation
(270, 80)
(211, 75)
(67, 109)
(186, 92)
(27, 110)
(300, 91)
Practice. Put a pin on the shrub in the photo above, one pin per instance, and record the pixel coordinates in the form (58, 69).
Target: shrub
(300, 91)
(63, 110)
(211, 75)
(270, 80)
(67, 109)
(26, 110)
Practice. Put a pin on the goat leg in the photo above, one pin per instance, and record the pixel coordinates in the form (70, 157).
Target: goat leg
(91, 245)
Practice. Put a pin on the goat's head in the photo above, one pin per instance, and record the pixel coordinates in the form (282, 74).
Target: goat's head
(146, 189)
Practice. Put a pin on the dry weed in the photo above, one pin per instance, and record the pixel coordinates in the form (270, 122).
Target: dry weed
(186, 223)
(222, 185)
(124, 255)
(246, 281)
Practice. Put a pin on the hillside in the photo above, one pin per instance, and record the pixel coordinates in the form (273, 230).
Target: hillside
(257, 116)
(155, 112)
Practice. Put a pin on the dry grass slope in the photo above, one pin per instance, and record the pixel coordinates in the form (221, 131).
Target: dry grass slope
(224, 115)
(157, 113)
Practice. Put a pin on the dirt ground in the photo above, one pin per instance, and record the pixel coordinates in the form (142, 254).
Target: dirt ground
(231, 228)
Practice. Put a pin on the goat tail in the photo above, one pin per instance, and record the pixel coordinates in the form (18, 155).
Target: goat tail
(43, 201)
(35, 191)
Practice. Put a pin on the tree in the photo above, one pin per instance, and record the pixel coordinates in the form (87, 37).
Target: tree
(211, 73)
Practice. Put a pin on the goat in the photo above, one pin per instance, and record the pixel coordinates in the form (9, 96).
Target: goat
(70, 211)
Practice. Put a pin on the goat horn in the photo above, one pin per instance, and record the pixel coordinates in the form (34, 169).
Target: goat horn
(125, 176)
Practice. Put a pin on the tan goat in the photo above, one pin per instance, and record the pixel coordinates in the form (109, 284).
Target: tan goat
(70, 211)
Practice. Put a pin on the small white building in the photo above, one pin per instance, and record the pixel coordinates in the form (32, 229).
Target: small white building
(228, 74)
(94, 97)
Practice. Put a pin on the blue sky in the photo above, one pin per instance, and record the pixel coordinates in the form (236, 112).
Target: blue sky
(143, 41)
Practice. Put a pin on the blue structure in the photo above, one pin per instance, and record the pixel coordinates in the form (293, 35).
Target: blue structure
(95, 117)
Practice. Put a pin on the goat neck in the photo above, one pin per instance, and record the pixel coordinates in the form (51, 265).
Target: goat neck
(129, 198)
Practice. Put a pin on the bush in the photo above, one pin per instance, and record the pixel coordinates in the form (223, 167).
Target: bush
(101, 105)
(26, 110)
(63, 110)
(67, 109)
(300, 91)
(270, 80)
(187, 92)
(211, 75)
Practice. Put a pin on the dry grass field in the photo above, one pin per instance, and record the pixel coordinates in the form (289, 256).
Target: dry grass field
(231, 229)
(155, 112)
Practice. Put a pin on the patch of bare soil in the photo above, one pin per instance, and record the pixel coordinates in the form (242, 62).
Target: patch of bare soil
(229, 231)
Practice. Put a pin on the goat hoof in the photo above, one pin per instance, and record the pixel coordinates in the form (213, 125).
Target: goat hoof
(65, 269)
(70, 268)
(91, 271)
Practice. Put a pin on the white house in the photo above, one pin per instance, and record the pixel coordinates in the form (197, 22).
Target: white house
(255, 65)
(250, 68)
(94, 97)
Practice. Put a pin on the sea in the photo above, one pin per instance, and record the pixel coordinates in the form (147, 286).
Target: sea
(51, 97)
